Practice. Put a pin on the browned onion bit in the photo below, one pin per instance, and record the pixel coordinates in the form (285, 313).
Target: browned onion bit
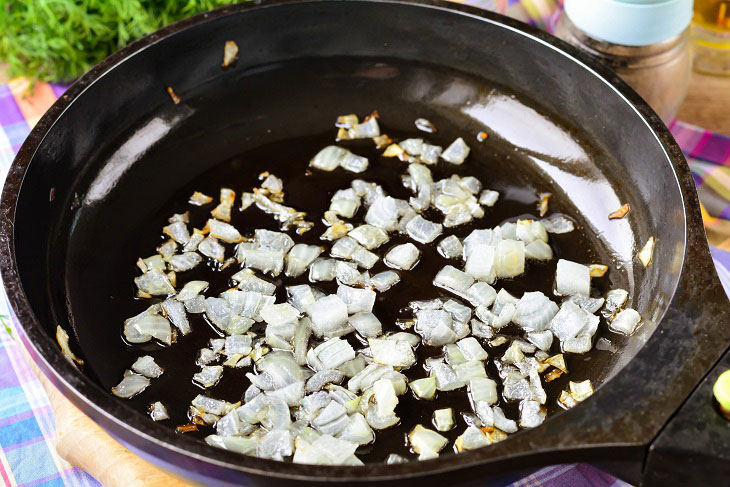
(230, 52)
(187, 428)
(620, 213)
(173, 96)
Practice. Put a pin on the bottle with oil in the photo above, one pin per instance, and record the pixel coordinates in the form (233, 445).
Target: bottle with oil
(711, 36)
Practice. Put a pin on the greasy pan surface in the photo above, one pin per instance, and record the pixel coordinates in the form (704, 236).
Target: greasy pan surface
(115, 150)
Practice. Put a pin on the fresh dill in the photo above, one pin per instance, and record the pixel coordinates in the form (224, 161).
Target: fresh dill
(59, 40)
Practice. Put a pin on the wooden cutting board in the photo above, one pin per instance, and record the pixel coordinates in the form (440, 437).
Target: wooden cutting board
(85, 445)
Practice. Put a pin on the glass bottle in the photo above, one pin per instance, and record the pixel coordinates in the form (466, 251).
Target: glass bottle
(646, 42)
(711, 36)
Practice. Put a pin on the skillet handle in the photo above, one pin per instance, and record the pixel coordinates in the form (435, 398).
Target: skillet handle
(83, 444)
(694, 447)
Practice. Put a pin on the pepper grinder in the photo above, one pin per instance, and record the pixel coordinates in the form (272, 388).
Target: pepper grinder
(646, 42)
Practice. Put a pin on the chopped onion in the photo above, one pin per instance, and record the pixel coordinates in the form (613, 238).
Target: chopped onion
(369, 236)
(414, 147)
(131, 385)
(158, 411)
(446, 377)
(300, 257)
(426, 126)
(319, 380)
(210, 247)
(62, 339)
(572, 278)
(483, 389)
(531, 231)
(481, 263)
(403, 256)
(569, 322)
(457, 152)
(195, 305)
(471, 349)
(481, 294)
(224, 231)
(347, 274)
(185, 261)
(357, 300)
(175, 311)
(471, 439)
(326, 450)
(364, 258)
(532, 414)
(248, 281)
(558, 223)
(615, 300)
(147, 325)
(426, 442)
(262, 259)
(223, 210)
(322, 270)
(154, 262)
(625, 322)
(589, 305)
(534, 311)
(598, 270)
(178, 231)
(385, 398)
(541, 339)
(209, 375)
(147, 367)
(366, 324)
(435, 326)
(365, 130)
(200, 199)
(422, 230)
(443, 419)
(488, 197)
(153, 283)
(538, 250)
(385, 280)
(358, 431)
(329, 158)
(230, 51)
(424, 388)
(647, 252)
(330, 354)
(238, 345)
(391, 352)
(509, 258)
(580, 391)
(458, 311)
(454, 280)
(450, 247)
(383, 213)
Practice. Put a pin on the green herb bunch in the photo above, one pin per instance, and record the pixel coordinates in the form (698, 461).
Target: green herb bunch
(58, 40)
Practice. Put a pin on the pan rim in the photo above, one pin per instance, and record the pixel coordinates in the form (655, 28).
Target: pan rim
(84, 391)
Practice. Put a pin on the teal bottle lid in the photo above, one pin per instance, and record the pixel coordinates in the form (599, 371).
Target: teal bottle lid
(630, 22)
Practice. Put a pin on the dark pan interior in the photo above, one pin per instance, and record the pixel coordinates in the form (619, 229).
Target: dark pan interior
(128, 218)
(118, 153)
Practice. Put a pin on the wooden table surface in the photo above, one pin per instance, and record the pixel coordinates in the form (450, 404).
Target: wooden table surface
(708, 103)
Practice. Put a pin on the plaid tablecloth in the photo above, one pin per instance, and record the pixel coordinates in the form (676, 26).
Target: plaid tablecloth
(27, 454)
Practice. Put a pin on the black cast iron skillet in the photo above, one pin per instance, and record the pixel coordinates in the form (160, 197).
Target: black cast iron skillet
(113, 149)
